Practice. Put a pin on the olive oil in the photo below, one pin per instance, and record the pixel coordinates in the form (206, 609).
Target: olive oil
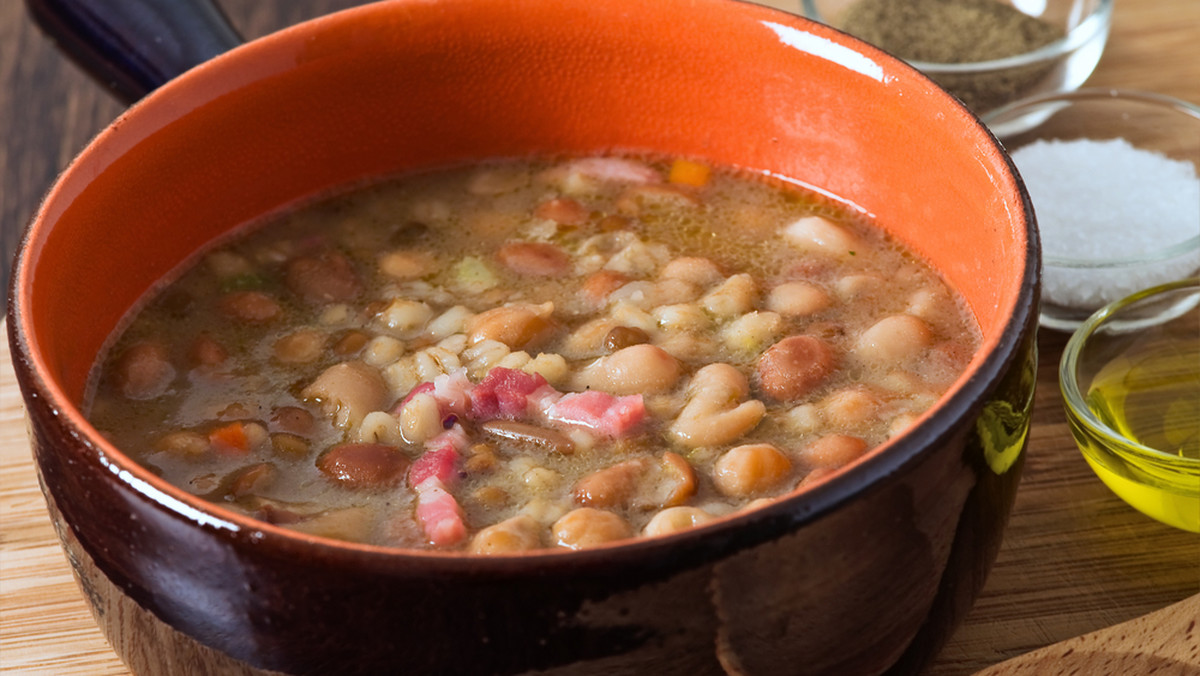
(1149, 393)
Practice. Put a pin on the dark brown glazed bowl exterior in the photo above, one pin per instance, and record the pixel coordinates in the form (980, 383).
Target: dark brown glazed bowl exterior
(865, 573)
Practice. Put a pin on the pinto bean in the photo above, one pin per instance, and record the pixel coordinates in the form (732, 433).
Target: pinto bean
(328, 277)
(541, 438)
(534, 259)
(562, 210)
(348, 391)
(715, 412)
(143, 371)
(517, 534)
(636, 369)
(292, 419)
(587, 527)
(794, 366)
(253, 307)
(612, 486)
(834, 450)
(519, 326)
(599, 286)
(751, 469)
(252, 479)
(675, 519)
(357, 465)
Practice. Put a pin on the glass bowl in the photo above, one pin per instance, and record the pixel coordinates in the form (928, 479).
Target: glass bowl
(1130, 379)
(1113, 219)
(1028, 47)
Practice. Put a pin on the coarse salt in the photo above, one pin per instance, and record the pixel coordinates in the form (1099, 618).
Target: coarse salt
(1109, 201)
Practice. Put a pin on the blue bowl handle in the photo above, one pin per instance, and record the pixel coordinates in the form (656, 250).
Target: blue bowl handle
(134, 46)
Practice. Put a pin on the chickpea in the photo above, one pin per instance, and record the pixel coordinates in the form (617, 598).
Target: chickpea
(833, 451)
(675, 519)
(820, 235)
(302, 347)
(636, 369)
(735, 296)
(406, 317)
(850, 406)
(587, 527)
(750, 469)
(517, 534)
(797, 299)
(894, 340)
(612, 486)
(671, 483)
(406, 264)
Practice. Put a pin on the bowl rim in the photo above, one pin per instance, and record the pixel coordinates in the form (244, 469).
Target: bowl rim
(1100, 96)
(1096, 23)
(1073, 399)
(705, 541)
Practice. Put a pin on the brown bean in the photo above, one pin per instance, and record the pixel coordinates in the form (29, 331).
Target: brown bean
(301, 347)
(588, 527)
(143, 371)
(517, 326)
(675, 481)
(613, 486)
(292, 419)
(794, 366)
(534, 259)
(206, 351)
(327, 277)
(254, 307)
(351, 342)
(251, 479)
(361, 465)
(562, 210)
(541, 438)
(518, 534)
(621, 337)
(289, 445)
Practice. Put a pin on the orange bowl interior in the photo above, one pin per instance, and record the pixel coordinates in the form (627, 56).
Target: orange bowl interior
(396, 86)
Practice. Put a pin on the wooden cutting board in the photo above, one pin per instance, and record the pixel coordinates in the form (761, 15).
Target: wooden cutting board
(1075, 558)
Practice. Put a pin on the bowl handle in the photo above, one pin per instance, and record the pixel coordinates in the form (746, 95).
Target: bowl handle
(133, 46)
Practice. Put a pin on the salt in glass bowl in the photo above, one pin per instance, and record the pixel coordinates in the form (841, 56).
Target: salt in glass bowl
(1061, 65)
(1130, 380)
(1093, 256)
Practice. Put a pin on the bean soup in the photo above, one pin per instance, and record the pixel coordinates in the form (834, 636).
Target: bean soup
(530, 354)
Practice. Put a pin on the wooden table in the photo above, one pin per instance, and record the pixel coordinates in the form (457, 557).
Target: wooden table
(1075, 558)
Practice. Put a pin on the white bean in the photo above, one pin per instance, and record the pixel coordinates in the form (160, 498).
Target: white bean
(636, 369)
(715, 412)
(817, 234)
(735, 296)
(797, 299)
(894, 340)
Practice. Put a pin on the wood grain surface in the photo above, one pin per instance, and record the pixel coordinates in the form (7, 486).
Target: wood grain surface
(1075, 558)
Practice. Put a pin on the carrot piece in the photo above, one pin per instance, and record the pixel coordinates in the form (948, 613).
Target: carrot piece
(688, 172)
(230, 439)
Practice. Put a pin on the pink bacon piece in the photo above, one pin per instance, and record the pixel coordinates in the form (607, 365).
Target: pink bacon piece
(599, 412)
(505, 393)
(438, 511)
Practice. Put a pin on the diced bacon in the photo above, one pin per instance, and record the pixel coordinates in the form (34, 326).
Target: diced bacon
(599, 412)
(504, 393)
(437, 463)
(439, 514)
(453, 392)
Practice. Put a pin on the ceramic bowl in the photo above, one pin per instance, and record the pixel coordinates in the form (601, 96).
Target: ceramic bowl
(867, 572)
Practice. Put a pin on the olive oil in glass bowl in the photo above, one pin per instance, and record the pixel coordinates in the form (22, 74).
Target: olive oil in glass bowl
(1130, 378)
